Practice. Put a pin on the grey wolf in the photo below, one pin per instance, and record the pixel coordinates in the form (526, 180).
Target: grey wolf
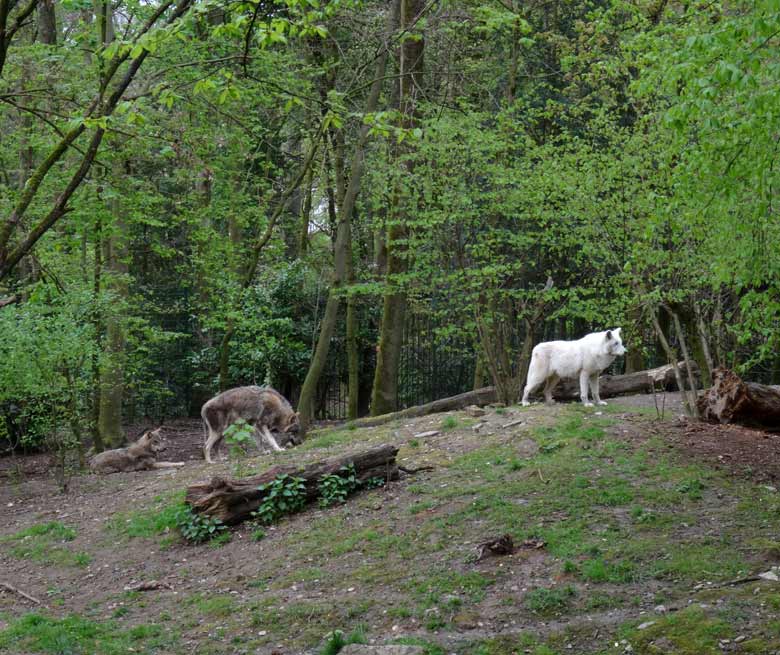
(263, 408)
(585, 358)
(140, 456)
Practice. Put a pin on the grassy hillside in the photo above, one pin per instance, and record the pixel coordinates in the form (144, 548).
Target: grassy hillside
(627, 543)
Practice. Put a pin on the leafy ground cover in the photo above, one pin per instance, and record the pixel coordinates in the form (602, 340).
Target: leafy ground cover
(629, 540)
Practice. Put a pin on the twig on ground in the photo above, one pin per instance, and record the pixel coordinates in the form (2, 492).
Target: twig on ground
(23, 594)
(411, 471)
(150, 585)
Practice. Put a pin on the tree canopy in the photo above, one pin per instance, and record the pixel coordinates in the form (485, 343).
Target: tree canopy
(368, 204)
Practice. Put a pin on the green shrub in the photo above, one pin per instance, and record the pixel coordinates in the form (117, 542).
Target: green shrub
(197, 528)
(285, 495)
(335, 487)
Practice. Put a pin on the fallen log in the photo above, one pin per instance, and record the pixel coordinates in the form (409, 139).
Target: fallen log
(732, 400)
(661, 378)
(658, 379)
(483, 396)
(233, 501)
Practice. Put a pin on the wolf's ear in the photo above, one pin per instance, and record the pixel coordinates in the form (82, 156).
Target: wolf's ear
(617, 330)
(609, 334)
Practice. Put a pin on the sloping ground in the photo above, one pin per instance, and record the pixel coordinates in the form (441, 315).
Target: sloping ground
(645, 547)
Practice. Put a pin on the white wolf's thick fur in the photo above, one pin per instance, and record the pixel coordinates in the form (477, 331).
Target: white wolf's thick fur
(585, 358)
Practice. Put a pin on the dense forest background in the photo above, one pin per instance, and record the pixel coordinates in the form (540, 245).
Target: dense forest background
(371, 204)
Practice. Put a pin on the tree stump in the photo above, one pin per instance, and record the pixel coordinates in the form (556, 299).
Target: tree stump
(732, 400)
(233, 501)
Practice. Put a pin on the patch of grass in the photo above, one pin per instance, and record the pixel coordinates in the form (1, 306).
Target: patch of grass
(336, 640)
(449, 423)
(221, 539)
(600, 600)
(687, 632)
(691, 488)
(330, 438)
(149, 522)
(214, 606)
(598, 570)
(41, 543)
(53, 531)
(643, 516)
(549, 602)
(471, 585)
(696, 561)
(421, 506)
(303, 622)
(515, 464)
(37, 633)
(401, 612)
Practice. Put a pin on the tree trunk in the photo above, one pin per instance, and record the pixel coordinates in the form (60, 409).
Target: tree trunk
(112, 376)
(233, 501)
(384, 396)
(97, 321)
(317, 364)
(671, 358)
(731, 400)
(47, 22)
(479, 372)
(353, 359)
(690, 399)
(303, 234)
(704, 343)
(343, 252)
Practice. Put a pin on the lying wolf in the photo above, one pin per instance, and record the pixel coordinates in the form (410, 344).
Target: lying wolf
(140, 456)
(263, 408)
(585, 358)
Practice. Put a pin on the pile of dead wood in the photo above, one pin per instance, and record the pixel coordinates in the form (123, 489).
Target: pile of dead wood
(732, 400)
(233, 501)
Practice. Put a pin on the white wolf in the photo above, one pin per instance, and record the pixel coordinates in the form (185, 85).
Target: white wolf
(585, 358)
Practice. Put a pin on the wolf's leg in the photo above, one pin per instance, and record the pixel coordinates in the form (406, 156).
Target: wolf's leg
(584, 389)
(167, 465)
(552, 382)
(594, 389)
(212, 440)
(535, 378)
(269, 438)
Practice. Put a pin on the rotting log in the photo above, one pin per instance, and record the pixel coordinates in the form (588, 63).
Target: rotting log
(732, 400)
(233, 501)
(661, 378)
